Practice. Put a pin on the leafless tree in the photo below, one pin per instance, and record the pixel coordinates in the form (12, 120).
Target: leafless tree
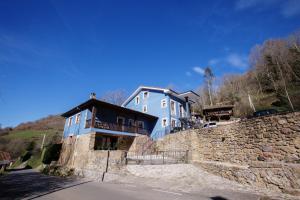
(209, 78)
(116, 97)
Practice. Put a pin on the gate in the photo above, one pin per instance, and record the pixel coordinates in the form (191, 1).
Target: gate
(157, 158)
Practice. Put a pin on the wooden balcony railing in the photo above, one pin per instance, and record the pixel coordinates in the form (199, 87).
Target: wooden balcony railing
(116, 127)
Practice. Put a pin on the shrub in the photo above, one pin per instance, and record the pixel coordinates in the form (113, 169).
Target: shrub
(25, 156)
(30, 146)
(52, 153)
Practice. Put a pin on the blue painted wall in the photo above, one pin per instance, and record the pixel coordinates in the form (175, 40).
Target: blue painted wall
(105, 115)
(153, 103)
(77, 129)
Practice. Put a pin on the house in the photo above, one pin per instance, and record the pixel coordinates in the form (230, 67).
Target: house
(110, 123)
(218, 112)
(172, 109)
(148, 111)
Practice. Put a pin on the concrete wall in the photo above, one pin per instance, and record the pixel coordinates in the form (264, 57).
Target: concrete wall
(261, 151)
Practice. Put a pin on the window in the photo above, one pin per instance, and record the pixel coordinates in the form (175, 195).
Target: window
(145, 95)
(120, 121)
(145, 108)
(77, 119)
(137, 100)
(163, 103)
(164, 122)
(181, 110)
(130, 122)
(70, 121)
(173, 107)
(173, 123)
(140, 124)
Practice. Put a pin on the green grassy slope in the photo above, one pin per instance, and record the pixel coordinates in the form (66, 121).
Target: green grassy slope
(20, 137)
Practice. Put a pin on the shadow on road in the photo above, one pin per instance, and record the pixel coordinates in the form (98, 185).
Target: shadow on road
(218, 198)
(30, 184)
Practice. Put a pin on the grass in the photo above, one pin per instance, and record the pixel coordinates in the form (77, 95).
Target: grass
(28, 134)
(35, 161)
(16, 164)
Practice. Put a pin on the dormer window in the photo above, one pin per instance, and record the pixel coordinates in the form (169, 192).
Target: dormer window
(137, 100)
(146, 95)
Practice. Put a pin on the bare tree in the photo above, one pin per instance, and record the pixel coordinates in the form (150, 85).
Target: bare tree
(209, 78)
(116, 97)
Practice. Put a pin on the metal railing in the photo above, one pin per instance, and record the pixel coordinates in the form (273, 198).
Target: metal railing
(157, 158)
(116, 127)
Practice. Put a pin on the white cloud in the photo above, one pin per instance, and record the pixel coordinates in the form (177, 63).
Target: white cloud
(188, 73)
(287, 8)
(198, 70)
(243, 4)
(236, 60)
(291, 8)
(213, 61)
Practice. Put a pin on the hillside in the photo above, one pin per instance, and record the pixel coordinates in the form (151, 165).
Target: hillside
(16, 140)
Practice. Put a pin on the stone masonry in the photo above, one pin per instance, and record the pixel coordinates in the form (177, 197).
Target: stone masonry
(263, 151)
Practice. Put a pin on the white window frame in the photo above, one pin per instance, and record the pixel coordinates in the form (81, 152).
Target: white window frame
(173, 113)
(173, 119)
(70, 121)
(137, 100)
(181, 112)
(162, 122)
(162, 102)
(85, 118)
(77, 118)
(146, 96)
(145, 106)
(132, 122)
(143, 124)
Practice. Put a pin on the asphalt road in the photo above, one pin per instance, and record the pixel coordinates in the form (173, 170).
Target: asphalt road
(28, 184)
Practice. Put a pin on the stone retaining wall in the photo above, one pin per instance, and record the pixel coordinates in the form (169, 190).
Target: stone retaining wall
(272, 138)
(79, 154)
(269, 147)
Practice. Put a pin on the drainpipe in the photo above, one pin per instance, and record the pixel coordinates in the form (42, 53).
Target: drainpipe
(187, 107)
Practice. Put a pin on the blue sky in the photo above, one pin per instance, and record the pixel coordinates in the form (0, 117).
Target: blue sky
(54, 53)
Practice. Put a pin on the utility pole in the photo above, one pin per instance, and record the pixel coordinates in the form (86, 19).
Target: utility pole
(43, 141)
(251, 103)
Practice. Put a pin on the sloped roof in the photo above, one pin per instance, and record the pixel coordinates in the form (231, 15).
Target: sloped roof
(96, 102)
(191, 94)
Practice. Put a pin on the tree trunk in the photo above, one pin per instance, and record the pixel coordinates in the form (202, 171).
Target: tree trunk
(284, 85)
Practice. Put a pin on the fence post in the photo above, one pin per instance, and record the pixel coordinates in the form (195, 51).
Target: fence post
(187, 156)
(163, 157)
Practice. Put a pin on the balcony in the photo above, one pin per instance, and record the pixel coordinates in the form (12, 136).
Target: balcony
(116, 127)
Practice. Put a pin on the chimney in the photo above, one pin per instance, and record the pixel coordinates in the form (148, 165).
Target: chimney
(93, 95)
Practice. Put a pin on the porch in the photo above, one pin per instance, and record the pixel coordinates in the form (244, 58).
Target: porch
(121, 128)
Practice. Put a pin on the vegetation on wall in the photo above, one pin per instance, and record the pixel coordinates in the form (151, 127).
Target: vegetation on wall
(272, 81)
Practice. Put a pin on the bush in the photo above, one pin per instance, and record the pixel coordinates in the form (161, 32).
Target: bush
(25, 156)
(30, 146)
(52, 153)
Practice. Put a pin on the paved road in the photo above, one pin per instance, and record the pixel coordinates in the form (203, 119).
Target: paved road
(29, 184)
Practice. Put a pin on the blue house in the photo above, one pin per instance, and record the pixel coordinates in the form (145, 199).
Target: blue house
(171, 108)
(110, 123)
(148, 111)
